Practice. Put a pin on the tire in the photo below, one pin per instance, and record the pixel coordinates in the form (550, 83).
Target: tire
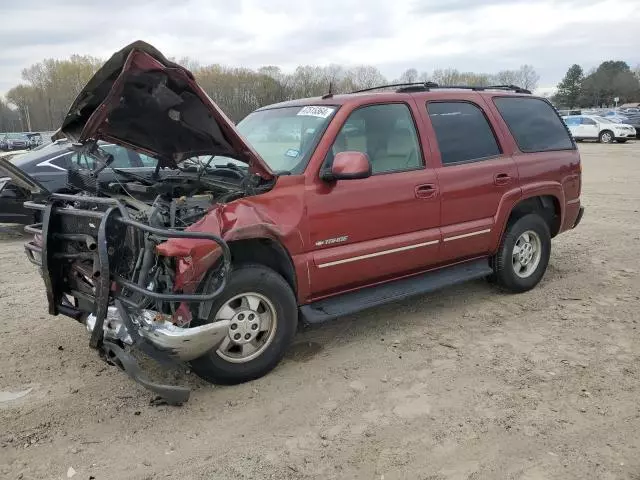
(224, 366)
(623, 140)
(606, 136)
(506, 270)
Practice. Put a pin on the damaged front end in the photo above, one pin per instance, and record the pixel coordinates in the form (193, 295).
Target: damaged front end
(100, 266)
(139, 259)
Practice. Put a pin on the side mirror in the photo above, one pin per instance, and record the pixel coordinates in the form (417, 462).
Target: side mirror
(348, 166)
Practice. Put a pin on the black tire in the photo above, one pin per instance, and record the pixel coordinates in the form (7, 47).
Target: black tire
(504, 271)
(606, 136)
(622, 140)
(266, 282)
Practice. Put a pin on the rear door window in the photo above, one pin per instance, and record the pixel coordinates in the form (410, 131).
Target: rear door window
(463, 132)
(534, 124)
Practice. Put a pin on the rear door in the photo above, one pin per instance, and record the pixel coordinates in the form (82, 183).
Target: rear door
(369, 230)
(588, 128)
(123, 159)
(474, 173)
(574, 125)
(126, 160)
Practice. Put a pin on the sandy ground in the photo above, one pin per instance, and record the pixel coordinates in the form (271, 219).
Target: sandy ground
(468, 383)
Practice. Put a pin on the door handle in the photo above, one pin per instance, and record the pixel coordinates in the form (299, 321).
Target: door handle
(502, 179)
(428, 190)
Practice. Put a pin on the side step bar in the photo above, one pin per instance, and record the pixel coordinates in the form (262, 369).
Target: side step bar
(353, 302)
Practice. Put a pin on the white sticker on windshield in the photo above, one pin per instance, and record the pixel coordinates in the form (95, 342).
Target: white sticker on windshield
(316, 111)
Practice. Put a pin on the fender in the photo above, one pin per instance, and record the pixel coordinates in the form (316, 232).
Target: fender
(247, 218)
(513, 197)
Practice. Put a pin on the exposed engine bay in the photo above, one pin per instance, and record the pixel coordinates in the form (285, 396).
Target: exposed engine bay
(175, 201)
(101, 257)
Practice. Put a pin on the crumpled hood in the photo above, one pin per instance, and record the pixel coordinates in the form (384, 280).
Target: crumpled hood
(141, 100)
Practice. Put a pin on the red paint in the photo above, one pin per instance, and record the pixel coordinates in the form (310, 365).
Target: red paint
(430, 206)
(140, 57)
(351, 164)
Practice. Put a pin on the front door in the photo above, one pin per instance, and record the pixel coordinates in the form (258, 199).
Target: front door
(474, 174)
(368, 230)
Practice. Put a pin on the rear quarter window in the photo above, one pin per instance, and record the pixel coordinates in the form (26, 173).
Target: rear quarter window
(534, 124)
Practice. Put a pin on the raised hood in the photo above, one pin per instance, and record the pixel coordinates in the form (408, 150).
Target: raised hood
(141, 100)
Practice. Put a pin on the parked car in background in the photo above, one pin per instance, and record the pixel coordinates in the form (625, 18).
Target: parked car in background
(49, 165)
(593, 127)
(564, 113)
(634, 121)
(35, 139)
(15, 141)
(614, 116)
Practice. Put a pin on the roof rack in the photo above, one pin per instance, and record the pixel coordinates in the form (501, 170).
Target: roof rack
(427, 86)
(391, 85)
(430, 86)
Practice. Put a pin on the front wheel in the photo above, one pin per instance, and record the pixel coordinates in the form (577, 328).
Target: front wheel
(524, 254)
(606, 136)
(263, 315)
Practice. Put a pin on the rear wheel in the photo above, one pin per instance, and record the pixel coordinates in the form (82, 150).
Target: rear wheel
(606, 136)
(263, 314)
(524, 254)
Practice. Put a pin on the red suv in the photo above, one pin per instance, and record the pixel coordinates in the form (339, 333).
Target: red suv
(311, 209)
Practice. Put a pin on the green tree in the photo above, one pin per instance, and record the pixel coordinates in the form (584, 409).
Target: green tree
(570, 87)
(611, 79)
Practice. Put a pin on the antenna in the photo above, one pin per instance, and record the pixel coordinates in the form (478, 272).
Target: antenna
(330, 93)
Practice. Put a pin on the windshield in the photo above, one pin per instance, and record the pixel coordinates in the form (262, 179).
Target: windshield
(16, 136)
(285, 137)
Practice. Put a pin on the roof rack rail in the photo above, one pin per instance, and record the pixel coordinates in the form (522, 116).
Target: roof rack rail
(426, 86)
(391, 85)
(515, 88)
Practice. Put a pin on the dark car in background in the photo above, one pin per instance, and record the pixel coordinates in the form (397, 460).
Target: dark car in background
(15, 141)
(50, 165)
(633, 119)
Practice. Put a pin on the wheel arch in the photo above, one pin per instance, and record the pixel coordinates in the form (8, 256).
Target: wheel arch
(548, 204)
(265, 251)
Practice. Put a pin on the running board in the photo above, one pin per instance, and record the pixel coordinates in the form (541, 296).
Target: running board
(353, 302)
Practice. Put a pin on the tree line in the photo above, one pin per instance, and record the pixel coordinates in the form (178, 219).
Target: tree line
(600, 87)
(41, 101)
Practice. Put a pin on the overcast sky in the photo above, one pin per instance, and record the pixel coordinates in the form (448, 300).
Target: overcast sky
(470, 35)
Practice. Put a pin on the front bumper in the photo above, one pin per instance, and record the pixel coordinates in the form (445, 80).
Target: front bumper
(114, 302)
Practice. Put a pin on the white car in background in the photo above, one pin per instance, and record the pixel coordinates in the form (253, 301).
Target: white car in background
(593, 127)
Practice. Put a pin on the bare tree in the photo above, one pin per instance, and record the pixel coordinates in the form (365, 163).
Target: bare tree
(409, 76)
(51, 85)
(528, 77)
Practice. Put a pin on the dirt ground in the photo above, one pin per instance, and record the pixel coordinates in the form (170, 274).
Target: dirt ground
(468, 383)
